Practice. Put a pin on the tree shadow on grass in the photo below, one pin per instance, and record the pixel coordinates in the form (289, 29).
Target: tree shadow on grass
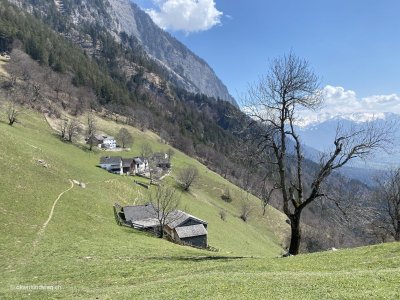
(197, 258)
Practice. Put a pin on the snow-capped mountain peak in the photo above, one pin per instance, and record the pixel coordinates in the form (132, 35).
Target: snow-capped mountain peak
(358, 117)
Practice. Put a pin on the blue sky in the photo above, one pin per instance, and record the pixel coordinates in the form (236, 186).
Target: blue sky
(351, 44)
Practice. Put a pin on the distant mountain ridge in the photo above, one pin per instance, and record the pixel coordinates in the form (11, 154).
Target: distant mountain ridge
(358, 117)
(320, 136)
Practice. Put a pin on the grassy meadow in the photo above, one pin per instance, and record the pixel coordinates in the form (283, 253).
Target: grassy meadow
(83, 253)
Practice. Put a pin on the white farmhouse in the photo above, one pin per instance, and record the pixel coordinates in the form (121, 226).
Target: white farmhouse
(104, 141)
(141, 165)
(109, 142)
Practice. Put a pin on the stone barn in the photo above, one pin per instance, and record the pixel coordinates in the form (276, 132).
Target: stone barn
(187, 229)
(180, 227)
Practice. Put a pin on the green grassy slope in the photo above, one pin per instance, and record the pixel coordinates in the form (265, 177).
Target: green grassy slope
(82, 249)
(88, 256)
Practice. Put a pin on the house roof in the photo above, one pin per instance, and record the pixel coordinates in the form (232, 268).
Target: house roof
(160, 158)
(146, 223)
(99, 137)
(142, 213)
(110, 160)
(126, 162)
(178, 217)
(138, 160)
(139, 212)
(190, 231)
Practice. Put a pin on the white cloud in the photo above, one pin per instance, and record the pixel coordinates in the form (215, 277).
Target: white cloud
(345, 103)
(185, 15)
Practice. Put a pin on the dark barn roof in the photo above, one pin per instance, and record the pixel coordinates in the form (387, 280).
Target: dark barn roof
(190, 231)
(127, 162)
(139, 212)
(179, 217)
(110, 160)
(99, 137)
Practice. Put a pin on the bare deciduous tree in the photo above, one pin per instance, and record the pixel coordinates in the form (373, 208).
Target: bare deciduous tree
(12, 113)
(272, 105)
(91, 130)
(165, 203)
(73, 129)
(222, 214)
(59, 84)
(265, 195)
(164, 136)
(245, 207)
(146, 150)
(187, 176)
(388, 198)
(170, 153)
(63, 128)
(124, 138)
(226, 195)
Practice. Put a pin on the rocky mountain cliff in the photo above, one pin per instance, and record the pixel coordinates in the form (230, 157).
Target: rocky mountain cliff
(124, 18)
(186, 69)
(193, 72)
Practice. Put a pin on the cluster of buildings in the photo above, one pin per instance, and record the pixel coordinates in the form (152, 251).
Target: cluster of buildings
(180, 227)
(124, 166)
(103, 141)
(134, 165)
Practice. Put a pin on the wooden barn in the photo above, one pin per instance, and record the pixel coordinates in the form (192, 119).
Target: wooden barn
(180, 227)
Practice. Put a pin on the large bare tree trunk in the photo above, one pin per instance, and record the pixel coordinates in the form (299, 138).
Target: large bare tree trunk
(397, 234)
(295, 237)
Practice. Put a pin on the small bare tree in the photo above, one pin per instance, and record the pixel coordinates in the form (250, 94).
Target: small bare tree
(59, 84)
(91, 130)
(12, 113)
(63, 128)
(272, 105)
(222, 214)
(226, 195)
(125, 138)
(187, 176)
(170, 153)
(153, 170)
(388, 198)
(73, 129)
(245, 207)
(165, 203)
(146, 150)
(265, 195)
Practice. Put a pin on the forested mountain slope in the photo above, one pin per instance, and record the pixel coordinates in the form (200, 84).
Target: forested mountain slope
(130, 26)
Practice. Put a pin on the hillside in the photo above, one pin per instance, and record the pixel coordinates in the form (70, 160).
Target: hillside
(36, 167)
(83, 251)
